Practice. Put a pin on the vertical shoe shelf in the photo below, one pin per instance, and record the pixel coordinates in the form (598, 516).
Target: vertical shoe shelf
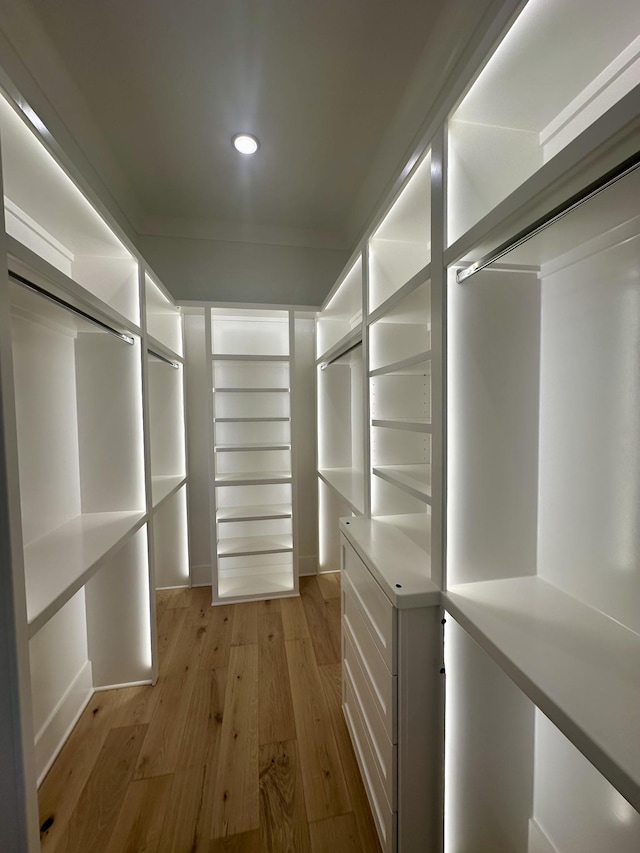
(166, 430)
(77, 353)
(399, 334)
(253, 481)
(340, 404)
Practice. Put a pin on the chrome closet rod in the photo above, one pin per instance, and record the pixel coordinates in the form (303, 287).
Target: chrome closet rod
(24, 282)
(608, 179)
(326, 364)
(163, 358)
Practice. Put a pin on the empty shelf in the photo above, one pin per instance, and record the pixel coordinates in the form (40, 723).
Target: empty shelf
(251, 420)
(229, 448)
(415, 364)
(580, 667)
(400, 566)
(243, 587)
(239, 390)
(218, 356)
(163, 487)
(248, 478)
(414, 479)
(59, 564)
(260, 512)
(411, 424)
(240, 547)
(348, 483)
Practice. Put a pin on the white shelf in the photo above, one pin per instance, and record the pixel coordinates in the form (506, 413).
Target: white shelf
(261, 512)
(401, 298)
(242, 546)
(163, 486)
(229, 448)
(399, 565)
(348, 484)
(410, 424)
(154, 345)
(347, 342)
(248, 587)
(250, 478)
(217, 356)
(59, 564)
(414, 479)
(239, 390)
(581, 668)
(251, 420)
(414, 365)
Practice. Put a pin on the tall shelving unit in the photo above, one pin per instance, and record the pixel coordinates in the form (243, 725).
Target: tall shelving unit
(543, 644)
(167, 439)
(342, 488)
(253, 482)
(93, 436)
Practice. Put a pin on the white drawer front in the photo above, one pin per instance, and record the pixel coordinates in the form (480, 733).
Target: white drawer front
(377, 611)
(382, 685)
(384, 817)
(385, 754)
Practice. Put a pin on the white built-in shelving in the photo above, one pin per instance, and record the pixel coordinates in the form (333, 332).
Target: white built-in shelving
(95, 437)
(340, 411)
(542, 552)
(520, 112)
(253, 471)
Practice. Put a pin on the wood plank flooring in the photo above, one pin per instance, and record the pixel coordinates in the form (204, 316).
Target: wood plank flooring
(240, 747)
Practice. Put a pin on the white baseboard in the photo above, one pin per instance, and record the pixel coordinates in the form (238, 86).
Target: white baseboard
(201, 575)
(180, 586)
(538, 841)
(144, 683)
(57, 728)
(307, 566)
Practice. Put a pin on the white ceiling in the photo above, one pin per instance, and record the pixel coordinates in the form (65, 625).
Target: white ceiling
(168, 83)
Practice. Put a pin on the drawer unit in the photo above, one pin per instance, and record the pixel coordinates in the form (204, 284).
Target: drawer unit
(382, 685)
(377, 611)
(383, 815)
(393, 704)
(384, 752)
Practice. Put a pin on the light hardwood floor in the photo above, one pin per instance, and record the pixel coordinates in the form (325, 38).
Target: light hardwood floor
(240, 747)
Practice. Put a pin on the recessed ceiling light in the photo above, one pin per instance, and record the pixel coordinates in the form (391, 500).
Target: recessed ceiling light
(245, 143)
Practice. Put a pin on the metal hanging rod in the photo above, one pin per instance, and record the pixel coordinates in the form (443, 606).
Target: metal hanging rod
(326, 364)
(29, 285)
(163, 358)
(608, 179)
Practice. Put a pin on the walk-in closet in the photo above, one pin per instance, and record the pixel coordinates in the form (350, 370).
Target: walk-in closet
(357, 570)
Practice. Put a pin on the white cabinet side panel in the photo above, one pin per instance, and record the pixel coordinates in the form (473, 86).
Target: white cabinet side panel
(109, 389)
(574, 805)
(589, 504)
(118, 616)
(489, 752)
(304, 441)
(44, 371)
(170, 537)
(492, 457)
(198, 437)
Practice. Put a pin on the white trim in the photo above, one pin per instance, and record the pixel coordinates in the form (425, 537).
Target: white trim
(62, 719)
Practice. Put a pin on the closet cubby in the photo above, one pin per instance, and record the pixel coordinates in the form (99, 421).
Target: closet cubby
(82, 500)
(542, 566)
(400, 402)
(252, 454)
(520, 112)
(47, 213)
(513, 780)
(171, 541)
(400, 247)
(163, 317)
(341, 316)
(166, 426)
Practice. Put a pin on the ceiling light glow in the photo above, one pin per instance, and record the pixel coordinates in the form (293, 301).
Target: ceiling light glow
(245, 143)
